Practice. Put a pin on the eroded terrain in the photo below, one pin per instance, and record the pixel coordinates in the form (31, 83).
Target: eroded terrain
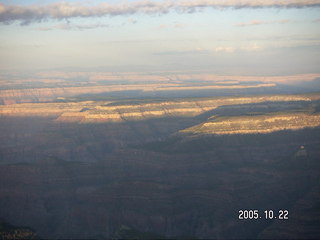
(161, 168)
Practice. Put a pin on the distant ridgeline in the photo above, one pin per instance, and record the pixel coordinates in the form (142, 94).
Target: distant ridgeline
(53, 87)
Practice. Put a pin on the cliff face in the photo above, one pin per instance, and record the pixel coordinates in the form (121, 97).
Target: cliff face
(256, 124)
(108, 112)
(99, 111)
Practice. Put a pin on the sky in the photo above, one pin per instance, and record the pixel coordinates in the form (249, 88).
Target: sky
(248, 37)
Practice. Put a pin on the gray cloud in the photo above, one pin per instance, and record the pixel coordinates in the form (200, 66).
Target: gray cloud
(65, 10)
(72, 27)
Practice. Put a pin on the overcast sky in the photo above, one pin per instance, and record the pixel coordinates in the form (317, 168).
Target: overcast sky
(220, 36)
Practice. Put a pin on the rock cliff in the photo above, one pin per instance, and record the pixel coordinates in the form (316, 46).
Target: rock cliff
(256, 124)
(102, 111)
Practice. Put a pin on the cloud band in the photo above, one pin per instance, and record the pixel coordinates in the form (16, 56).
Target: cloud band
(65, 10)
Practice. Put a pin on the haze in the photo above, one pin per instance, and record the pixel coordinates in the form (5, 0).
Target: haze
(228, 37)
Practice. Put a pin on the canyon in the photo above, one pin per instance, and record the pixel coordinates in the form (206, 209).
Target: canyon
(149, 168)
(105, 111)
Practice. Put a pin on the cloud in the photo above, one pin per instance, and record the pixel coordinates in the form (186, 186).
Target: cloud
(187, 52)
(249, 48)
(219, 49)
(224, 49)
(72, 27)
(66, 10)
(258, 22)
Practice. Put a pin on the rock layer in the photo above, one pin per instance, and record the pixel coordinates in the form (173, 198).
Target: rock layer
(256, 124)
(101, 111)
